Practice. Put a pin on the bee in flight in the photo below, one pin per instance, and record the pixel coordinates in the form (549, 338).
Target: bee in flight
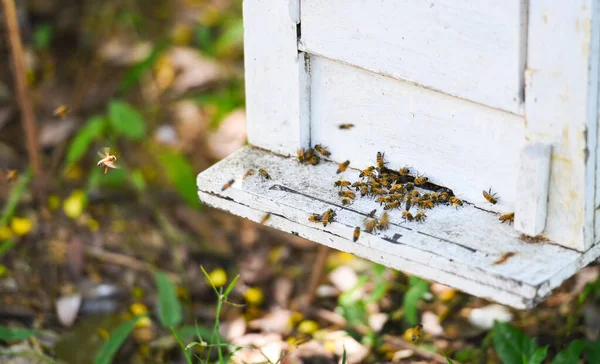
(108, 160)
(356, 234)
(265, 218)
(491, 197)
(61, 111)
(321, 149)
(342, 167)
(346, 126)
(11, 175)
(227, 185)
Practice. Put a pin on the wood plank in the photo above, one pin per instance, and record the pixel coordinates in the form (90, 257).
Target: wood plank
(456, 143)
(457, 247)
(473, 50)
(277, 78)
(561, 109)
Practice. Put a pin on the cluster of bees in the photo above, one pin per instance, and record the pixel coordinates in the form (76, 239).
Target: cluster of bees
(311, 156)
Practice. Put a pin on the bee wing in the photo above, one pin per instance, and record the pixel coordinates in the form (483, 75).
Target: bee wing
(104, 152)
(111, 165)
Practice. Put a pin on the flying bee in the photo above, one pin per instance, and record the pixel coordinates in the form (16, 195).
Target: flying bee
(409, 186)
(384, 221)
(356, 234)
(342, 167)
(348, 194)
(404, 171)
(455, 202)
(426, 204)
(417, 332)
(491, 197)
(380, 161)
(397, 188)
(420, 216)
(321, 149)
(366, 172)
(265, 218)
(420, 180)
(11, 175)
(328, 217)
(315, 218)
(248, 173)
(370, 225)
(61, 111)
(301, 156)
(346, 201)
(392, 205)
(510, 217)
(341, 184)
(108, 160)
(346, 126)
(407, 216)
(364, 190)
(227, 185)
(264, 174)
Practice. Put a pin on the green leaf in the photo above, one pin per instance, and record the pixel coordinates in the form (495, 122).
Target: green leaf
(17, 334)
(230, 286)
(378, 292)
(418, 288)
(538, 355)
(117, 338)
(42, 36)
(84, 138)
(170, 308)
(448, 360)
(572, 353)
(182, 345)
(181, 174)
(125, 119)
(593, 352)
(137, 71)
(14, 197)
(231, 39)
(511, 344)
(6, 246)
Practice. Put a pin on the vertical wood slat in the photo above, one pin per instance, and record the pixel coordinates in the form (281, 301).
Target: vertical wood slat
(277, 76)
(560, 109)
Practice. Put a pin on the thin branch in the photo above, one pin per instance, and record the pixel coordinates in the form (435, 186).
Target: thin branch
(27, 115)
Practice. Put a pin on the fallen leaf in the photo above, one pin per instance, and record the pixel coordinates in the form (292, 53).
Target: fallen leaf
(67, 308)
(277, 320)
(484, 317)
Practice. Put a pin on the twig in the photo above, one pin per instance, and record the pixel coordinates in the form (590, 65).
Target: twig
(27, 114)
(317, 272)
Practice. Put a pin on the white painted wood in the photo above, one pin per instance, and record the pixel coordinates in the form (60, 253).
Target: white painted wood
(561, 107)
(532, 189)
(471, 49)
(454, 247)
(276, 76)
(462, 145)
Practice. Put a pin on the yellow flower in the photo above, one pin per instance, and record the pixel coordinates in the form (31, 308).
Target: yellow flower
(144, 322)
(308, 327)
(74, 205)
(138, 309)
(53, 202)
(21, 225)
(218, 277)
(254, 296)
(5, 233)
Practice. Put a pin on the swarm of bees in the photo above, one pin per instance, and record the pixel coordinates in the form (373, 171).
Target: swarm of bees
(311, 156)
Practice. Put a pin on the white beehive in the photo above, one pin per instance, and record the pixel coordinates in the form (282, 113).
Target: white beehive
(475, 95)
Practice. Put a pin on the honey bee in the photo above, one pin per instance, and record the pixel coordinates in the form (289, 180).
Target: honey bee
(409, 186)
(374, 184)
(248, 173)
(397, 188)
(380, 161)
(328, 217)
(426, 204)
(397, 197)
(227, 185)
(265, 218)
(420, 180)
(314, 160)
(301, 155)
(108, 160)
(370, 225)
(348, 194)
(11, 175)
(61, 111)
(372, 213)
(342, 167)
(404, 171)
(357, 185)
(434, 196)
(383, 199)
(444, 197)
(406, 215)
(510, 217)
(408, 204)
(415, 193)
(491, 197)
(392, 205)
(346, 126)
(264, 174)
(366, 172)
(321, 149)
(420, 216)
(376, 191)
(364, 190)
(315, 218)
(417, 332)
(504, 257)
(346, 201)
(384, 221)
(356, 234)
(341, 184)
(455, 202)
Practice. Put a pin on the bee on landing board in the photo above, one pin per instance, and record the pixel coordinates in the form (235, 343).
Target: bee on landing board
(510, 217)
(491, 197)
(420, 216)
(108, 160)
(346, 126)
(342, 167)
(301, 155)
(322, 150)
(370, 225)
(61, 111)
(384, 222)
(328, 217)
(356, 234)
(406, 215)
(420, 180)
(264, 174)
(249, 173)
(404, 171)
(227, 185)
(341, 184)
(380, 161)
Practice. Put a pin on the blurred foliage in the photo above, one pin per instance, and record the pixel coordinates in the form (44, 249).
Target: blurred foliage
(417, 289)
(169, 306)
(114, 342)
(126, 120)
(15, 334)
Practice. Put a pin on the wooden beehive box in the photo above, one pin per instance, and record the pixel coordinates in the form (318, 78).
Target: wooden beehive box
(475, 95)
